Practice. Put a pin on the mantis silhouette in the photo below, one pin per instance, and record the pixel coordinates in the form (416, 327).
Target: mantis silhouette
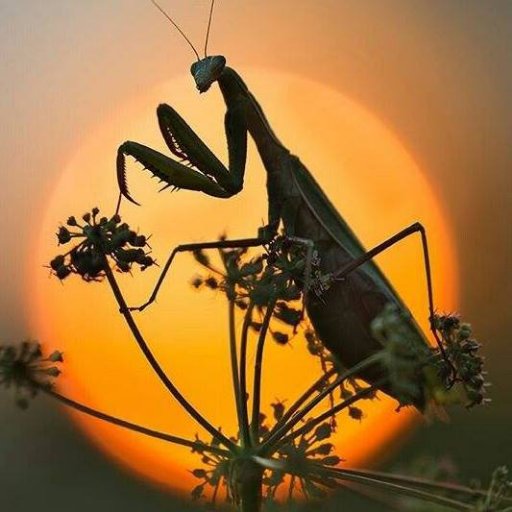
(356, 291)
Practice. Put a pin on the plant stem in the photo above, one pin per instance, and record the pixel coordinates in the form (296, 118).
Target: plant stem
(416, 493)
(420, 482)
(242, 424)
(279, 433)
(316, 386)
(243, 374)
(201, 447)
(123, 307)
(313, 471)
(319, 419)
(256, 393)
(246, 480)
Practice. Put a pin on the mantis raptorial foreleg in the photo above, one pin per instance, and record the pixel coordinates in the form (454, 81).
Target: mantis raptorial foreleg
(202, 170)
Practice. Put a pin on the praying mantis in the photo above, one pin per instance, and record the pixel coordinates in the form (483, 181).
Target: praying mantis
(356, 290)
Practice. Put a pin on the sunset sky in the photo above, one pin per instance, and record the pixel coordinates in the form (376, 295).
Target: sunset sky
(437, 74)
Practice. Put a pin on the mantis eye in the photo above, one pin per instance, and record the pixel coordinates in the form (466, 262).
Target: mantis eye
(193, 68)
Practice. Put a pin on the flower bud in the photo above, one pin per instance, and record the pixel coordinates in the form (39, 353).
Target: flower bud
(323, 431)
(332, 460)
(63, 235)
(197, 282)
(212, 283)
(53, 371)
(139, 241)
(57, 262)
(63, 272)
(355, 413)
(280, 337)
(56, 357)
(279, 409)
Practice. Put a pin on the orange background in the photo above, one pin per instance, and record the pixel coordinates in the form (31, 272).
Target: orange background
(438, 74)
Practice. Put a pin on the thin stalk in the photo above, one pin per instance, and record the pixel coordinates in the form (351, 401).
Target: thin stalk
(316, 386)
(279, 433)
(319, 419)
(415, 493)
(243, 372)
(256, 393)
(313, 470)
(421, 482)
(391, 503)
(132, 426)
(243, 428)
(123, 307)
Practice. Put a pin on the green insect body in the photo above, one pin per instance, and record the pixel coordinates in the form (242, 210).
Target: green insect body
(342, 316)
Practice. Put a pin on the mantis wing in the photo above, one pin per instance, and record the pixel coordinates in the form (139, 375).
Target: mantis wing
(327, 215)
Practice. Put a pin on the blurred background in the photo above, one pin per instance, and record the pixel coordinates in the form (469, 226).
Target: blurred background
(439, 74)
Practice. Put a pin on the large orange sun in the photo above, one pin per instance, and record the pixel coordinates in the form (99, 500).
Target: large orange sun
(369, 177)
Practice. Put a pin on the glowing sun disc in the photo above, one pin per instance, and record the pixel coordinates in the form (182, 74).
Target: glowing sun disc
(366, 172)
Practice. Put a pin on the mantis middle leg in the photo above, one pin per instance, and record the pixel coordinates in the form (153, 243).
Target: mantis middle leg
(218, 244)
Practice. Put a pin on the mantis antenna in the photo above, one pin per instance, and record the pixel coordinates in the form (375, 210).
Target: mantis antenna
(208, 31)
(177, 27)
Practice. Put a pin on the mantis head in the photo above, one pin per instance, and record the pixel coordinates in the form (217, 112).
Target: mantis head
(207, 70)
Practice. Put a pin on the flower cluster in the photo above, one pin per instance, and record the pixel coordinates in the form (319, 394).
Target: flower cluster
(402, 356)
(461, 351)
(24, 368)
(412, 366)
(259, 282)
(99, 239)
(313, 447)
(214, 474)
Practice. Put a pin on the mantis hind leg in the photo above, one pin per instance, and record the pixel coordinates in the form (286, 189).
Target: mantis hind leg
(218, 244)
(401, 235)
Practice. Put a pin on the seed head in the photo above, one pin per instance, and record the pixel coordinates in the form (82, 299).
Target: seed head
(99, 243)
(24, 368)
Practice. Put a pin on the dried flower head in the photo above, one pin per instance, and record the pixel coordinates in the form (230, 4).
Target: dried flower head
(100, 239)
(24, 368)
(220, 471)
(259, 281)
(411, 365)
(402, 357)
(461, 351)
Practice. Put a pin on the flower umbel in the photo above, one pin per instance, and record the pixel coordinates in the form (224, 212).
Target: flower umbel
(100, 239)
(411, 365)
(24, 368)
(402, 358)
(462, 351)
